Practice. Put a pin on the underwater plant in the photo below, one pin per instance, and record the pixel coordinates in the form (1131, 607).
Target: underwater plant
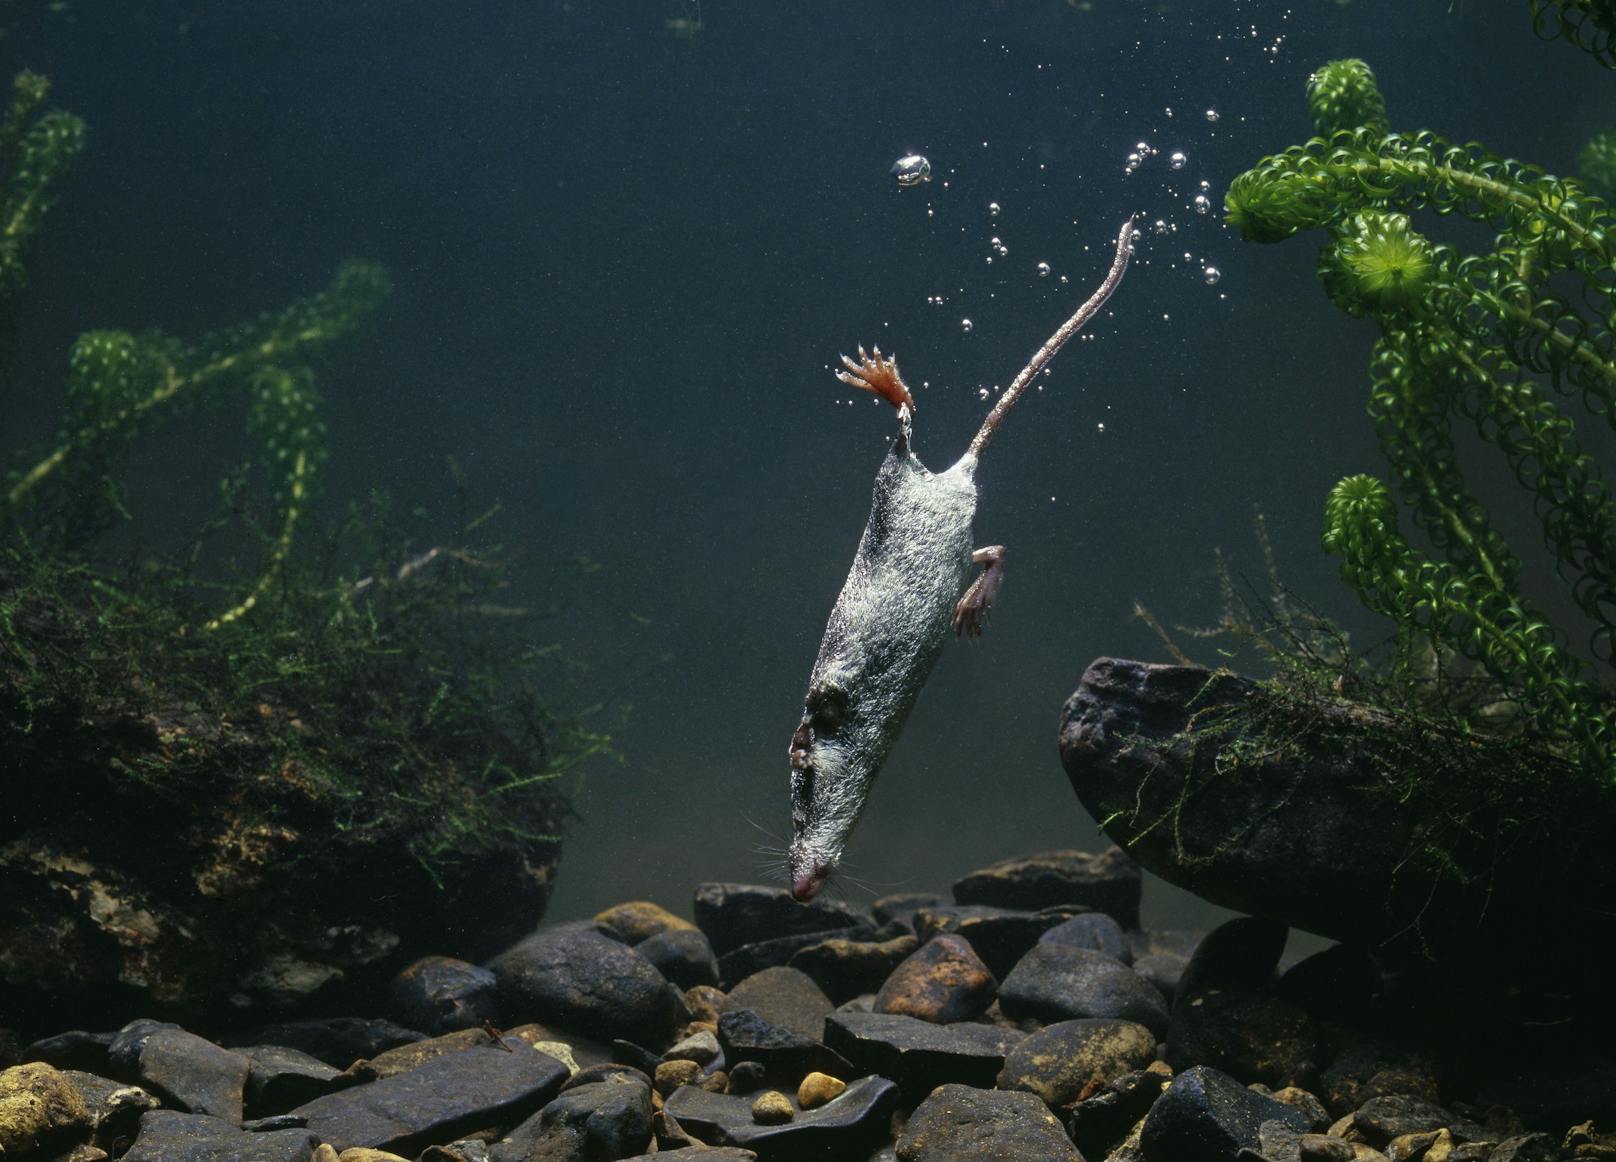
(1588, 24)
(120, 383)
(1506, 340)
(36, 151)
(347, 763)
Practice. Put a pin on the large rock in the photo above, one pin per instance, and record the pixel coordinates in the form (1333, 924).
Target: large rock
(176, 844)
(1107, 882)
(581, 976)
(1211, 1117)
(944, 981)
(609, 1118)
(436, 1102)
(735, 914)
(1338, 818)
(193, 1073)
(960, 1124)
(40, 1110)
(1064, 1061)
(919, 1055)
(1057, 982)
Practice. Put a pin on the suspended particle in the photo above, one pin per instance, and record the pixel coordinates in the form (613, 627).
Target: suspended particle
(912, 169)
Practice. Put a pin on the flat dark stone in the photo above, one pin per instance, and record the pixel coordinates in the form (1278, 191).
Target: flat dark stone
(439, 1100)
(580, 976)
(735, 914)
(1381, 1119)
(1205, 1114)
(190, 1071)
(784, 1054)
(917, 1054)
(1058, 983)
(439, 994)
(337, 1041)
(1107, 881)
(279, 1078)
(785, 997)
(847, 1127)
(171, 1136)
(957, 1123)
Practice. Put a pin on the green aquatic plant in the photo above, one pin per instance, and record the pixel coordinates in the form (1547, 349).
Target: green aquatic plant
(37, 149)
(1588, 24)
(119, 384)
(1596, 164)
(368, 690)
(1505, 341)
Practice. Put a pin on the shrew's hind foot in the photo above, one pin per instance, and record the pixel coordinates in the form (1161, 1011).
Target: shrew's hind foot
(971, 612)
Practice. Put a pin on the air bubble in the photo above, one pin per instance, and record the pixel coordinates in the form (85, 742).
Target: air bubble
(1211, 275)
(1176, 160)
(1202, 204)
(1159, 226)
(981, 393)
(1043, 270)
(1211, 114)
(965, 326)
(1100, 427)
(993, 209)
(911, 169)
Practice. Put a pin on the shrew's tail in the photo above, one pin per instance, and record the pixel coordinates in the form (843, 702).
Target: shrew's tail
(1070, 327)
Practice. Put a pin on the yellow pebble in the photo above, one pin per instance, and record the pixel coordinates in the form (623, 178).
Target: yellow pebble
(817, 1089)
(771, 1108)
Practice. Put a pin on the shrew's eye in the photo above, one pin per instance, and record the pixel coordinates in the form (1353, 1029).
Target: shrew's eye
(827, 704)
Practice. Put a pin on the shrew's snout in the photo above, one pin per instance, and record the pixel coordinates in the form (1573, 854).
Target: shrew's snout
(806, 881)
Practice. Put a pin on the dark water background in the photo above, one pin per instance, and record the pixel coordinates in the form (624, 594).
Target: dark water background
(629, 239)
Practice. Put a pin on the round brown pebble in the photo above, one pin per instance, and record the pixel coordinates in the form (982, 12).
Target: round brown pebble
(771, 1108)
(705, 1001)
(640, 920)
(670, 1075)
(715, 1082)
(818, 1088)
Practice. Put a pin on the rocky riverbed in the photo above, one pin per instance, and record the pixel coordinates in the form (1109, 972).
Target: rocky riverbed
(1025, 1016)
